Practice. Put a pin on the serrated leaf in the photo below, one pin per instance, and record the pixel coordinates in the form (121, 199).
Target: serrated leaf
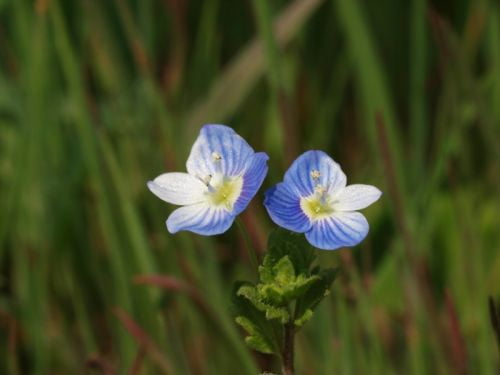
(271, 311)
(301, 320)
(279, 313)
(300, 286)
(281, 285)
(256, 343)
(316, 292)
(284, 271)
(266, 270)
(255, 339)
(270, 331)
(273, 293)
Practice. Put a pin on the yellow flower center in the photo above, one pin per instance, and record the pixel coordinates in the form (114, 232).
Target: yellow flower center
(226, 192)
(315, 208)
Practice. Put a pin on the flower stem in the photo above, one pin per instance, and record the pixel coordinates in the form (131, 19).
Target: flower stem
(252, 254)
(288, 349)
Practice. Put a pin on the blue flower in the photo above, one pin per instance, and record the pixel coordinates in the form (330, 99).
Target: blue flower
(314, 199)
(224, 174)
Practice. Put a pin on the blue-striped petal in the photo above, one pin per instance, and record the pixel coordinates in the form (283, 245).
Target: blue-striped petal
(283, 205)
(178, 188)
(217, 141)
(252, 180)
(339, 230)
(300, 173)
(200, 218)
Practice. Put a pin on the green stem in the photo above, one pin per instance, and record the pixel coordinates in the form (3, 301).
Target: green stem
(252, 254)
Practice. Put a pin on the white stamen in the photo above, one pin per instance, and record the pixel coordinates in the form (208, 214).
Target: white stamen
(216, 156)
(319, 189)
(206, 179)
(315, 174)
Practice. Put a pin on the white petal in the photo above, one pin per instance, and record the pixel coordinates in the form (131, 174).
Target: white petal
(201, 219)
(178, 188)
(356, 197)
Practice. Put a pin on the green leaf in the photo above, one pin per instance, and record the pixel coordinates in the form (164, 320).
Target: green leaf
(294, 245)
(255, 339)
(252, 294)
(300, 321)
(272, 293)
(266, 273)
(318, 289)
(263, 335)
(284, 271)
(300, 286)
(280, 285)
(285, 281)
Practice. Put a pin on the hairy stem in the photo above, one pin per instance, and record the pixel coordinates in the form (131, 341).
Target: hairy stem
(288, 349)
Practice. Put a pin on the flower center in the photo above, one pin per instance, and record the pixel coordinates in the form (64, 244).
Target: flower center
(318, 205)
(315, 208)
(225, 192)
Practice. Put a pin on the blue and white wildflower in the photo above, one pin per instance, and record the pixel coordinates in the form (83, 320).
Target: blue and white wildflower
(224, 174)
(314, 199)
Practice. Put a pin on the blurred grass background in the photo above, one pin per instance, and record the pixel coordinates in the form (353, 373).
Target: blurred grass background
(97, 97)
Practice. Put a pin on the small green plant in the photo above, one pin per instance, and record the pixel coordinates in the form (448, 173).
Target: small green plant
(224, 174)
(290, 287)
